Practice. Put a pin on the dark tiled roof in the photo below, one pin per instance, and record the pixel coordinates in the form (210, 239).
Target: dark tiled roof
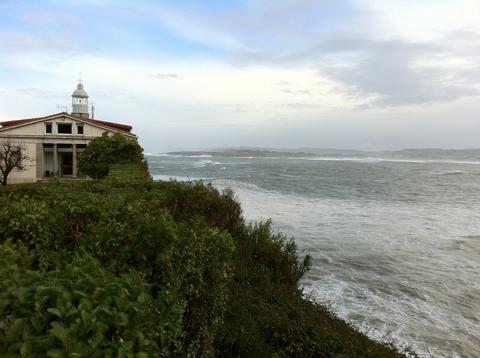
(119, 126)
(111, 125)
(18, 122)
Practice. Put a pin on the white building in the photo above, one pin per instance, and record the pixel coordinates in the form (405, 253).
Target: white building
(53, 142)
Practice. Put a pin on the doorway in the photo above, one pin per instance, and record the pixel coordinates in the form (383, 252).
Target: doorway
(66, 164)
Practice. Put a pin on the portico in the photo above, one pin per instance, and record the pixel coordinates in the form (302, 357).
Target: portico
(60, 159)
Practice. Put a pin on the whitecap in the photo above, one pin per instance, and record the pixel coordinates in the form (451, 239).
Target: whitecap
(148, 154)
(449, 172)
(204, 163)
(161, 177)
(364, 159)
(171, 155)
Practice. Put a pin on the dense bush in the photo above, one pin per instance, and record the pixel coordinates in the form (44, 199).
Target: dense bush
(76, 310)
(95, 160)
(125, 230)
(167, 268)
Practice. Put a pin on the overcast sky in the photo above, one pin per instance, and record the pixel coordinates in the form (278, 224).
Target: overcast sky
(363, 74)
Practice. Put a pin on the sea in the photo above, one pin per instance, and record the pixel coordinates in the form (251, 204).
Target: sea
(395, 241)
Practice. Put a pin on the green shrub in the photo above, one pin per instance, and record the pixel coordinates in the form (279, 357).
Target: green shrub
(210, 284)
(95, 160)
(77, 310)
(205, 254)
(128, 227)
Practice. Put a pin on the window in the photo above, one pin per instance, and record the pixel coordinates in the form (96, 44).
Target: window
(64, 128)
(79, 128)
(48, 128)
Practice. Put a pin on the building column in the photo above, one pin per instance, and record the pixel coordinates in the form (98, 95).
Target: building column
(43, 162)
(55, 160)
(74, 161)
(40, 161)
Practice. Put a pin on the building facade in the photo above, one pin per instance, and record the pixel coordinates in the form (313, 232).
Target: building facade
(52, 143)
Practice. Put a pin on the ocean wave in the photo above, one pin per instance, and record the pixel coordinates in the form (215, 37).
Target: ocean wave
(458, 161)
(449, 172)
(178, 155)
(192, 156)
(365, 308)
(148, 154)
(244, 187)
(365, 160)
(165, 177)
(328, 158)
(392, 160)
(284, 175)
(204, 163)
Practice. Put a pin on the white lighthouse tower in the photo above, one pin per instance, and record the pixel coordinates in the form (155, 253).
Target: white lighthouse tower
(80, 101)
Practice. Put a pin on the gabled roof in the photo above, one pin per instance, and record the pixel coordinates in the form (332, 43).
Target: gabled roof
(103, 124)
(118, 126)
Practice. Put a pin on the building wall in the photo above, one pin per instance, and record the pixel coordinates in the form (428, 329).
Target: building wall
(33, 136)
(28, 130)
(29, 175)
(36, 129)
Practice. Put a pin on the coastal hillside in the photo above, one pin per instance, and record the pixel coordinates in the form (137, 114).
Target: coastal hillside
(130, 267)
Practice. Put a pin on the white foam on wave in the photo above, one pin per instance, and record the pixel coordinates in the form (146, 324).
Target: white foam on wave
(458, 162)
(365, 159)
(162, 177)
(362, 314)
(327, 158)
(449, 172)
(148, 154)
(205, 163)
(178, 155)
(243, 187)
(385, 160)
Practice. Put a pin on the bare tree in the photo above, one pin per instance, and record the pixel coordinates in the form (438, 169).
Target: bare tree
(12, 156)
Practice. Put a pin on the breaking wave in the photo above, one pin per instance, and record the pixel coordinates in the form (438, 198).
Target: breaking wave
(162, 177)
(205, 163)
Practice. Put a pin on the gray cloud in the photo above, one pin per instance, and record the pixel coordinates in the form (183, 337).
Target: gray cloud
(342, 43)
(391, 71)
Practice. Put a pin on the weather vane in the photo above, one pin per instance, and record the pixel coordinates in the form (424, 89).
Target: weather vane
(80, 77)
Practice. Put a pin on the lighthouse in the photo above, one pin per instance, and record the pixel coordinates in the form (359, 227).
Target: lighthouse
(80, 102)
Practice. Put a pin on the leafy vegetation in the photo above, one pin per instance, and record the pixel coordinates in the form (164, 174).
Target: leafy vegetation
(76, 309)
(104, 151)
(136, 268)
